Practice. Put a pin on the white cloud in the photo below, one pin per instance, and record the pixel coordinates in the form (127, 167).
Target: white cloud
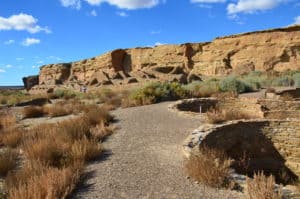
(297, 20)
(94, 2)
(122, 14)
(250, 6)
(155, 32)
(8, 66)
(206, 6)
(71, 3)
(19, 58)
(2, 70)
(208, 1)
(93, 13)
(30, 41)
(9, 42)
(123, 4)
(40, 62)
(132, 4)
(22, 22)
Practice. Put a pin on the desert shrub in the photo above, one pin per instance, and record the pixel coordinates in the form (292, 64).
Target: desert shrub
(12, 137)
(33, 112)
(262, 187)
(296, 79)
(253, 82)
(51, 183)
(52, 153)
(7, 120)
(157, 92)
(101, 131)
(216, 116)
(282, 81)
(210, 167)
(73, 129)
(58, 93)
(56, 153)
(66, 94)
(85, 150)
(111, 98)
(233, 84)
(8, 161)
(12, 97)
(57, 110)
(203, 89)
(97, 114)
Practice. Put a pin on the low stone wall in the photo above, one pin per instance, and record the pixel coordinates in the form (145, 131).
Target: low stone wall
(192, 106)
(269, 105)
(293, 92)
(262, 108)
(282, 114)
(244, 105)
(272, 146)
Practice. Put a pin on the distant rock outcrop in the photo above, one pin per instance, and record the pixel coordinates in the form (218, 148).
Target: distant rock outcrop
(30, 81)
(277, 49)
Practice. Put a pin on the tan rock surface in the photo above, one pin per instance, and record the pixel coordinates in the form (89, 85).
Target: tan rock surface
(277, 49)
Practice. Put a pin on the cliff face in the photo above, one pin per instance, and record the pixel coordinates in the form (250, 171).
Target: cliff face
(277, 49)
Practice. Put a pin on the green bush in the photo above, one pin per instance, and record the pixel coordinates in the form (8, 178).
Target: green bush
(203, 89)
(284, 80)
(233, 84)
(255, 80)
(66, 94)
(157, 92)
(296, 79)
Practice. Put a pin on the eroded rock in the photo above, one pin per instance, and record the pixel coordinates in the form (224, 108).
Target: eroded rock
(277, 50)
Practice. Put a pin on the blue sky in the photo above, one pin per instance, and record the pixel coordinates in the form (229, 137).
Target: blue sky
(34, 33)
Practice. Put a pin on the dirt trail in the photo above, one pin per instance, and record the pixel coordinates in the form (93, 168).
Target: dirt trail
(145, 159)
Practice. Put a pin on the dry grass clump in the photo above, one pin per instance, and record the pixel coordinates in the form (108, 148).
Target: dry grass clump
(8, 161)
(57, 110)
(12, 97)
(50, 153)
(216, 116)
(56, 153)
(85, 149)
(11, 137)
(38, 181)
(7, 120)
(98, 114)
(100, 132)
(210, 167)
(262, 187)
(33, 112)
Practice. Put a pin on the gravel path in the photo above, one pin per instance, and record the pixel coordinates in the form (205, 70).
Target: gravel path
(145, 159)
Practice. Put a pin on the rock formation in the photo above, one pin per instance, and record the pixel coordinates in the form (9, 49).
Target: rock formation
(277, 49)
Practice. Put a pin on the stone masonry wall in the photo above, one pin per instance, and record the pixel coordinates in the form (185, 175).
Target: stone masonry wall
(270, 144)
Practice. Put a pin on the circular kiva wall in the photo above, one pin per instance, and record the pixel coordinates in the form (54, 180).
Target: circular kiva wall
(254, 108)
(250, 107)
(271, 146)
(194, 105)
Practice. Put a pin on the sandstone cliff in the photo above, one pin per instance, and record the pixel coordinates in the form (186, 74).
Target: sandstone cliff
(277, 49)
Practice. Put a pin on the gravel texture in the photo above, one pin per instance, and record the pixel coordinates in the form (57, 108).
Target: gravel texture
(144, 159)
